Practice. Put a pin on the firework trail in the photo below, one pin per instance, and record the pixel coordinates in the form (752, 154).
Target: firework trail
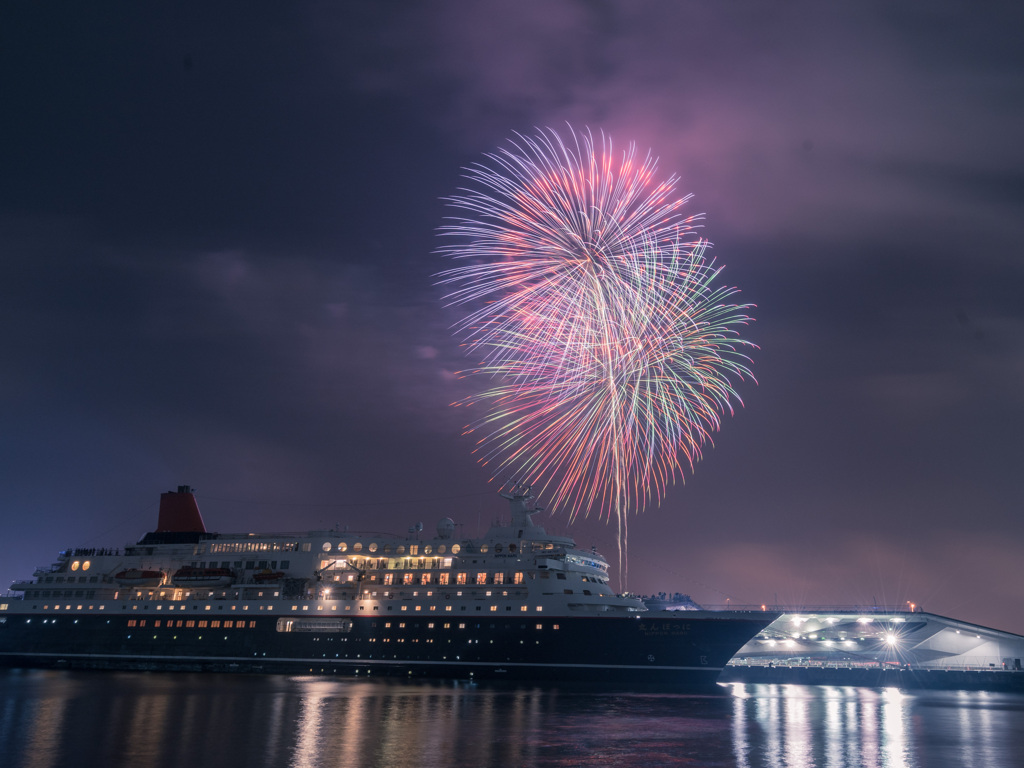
(592, 312)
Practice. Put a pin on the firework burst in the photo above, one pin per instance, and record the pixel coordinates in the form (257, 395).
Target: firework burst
(592, 311)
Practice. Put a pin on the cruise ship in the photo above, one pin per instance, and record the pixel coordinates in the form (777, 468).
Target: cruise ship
(516, 603)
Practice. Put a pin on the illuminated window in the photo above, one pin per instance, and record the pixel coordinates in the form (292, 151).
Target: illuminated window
(389, 578)
(443, 578)
(425, 578)
(455, 549)
(460, 578)
(499, 578)
(214, 624)
(407, 578)
(357, 547)
(203, 623)
(85, 565)
(427, 549)
(327, 546)
(481, 578)
(75, 565)
(518, 577)
(373, 546)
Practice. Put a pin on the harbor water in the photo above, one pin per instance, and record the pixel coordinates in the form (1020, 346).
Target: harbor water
(149, 720)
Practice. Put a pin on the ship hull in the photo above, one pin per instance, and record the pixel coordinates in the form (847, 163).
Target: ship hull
(683, 652)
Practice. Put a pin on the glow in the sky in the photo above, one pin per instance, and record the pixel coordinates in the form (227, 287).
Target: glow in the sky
(610, 355)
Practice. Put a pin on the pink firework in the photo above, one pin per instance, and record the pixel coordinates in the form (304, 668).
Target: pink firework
(592, 313)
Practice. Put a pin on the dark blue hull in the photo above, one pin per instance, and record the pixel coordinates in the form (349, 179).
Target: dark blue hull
(679, 648)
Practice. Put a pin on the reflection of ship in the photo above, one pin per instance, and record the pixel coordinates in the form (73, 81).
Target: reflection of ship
(517, 602)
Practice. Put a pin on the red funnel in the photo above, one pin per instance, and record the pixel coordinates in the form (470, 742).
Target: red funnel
(179, 512)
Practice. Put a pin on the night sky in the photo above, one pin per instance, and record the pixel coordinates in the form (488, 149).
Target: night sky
(217, 256)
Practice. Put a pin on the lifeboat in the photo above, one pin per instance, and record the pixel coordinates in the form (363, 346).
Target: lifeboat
(137, 577)
(190, 576)
(266, 576)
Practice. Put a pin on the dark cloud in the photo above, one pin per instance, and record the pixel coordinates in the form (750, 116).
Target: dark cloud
(218, 229)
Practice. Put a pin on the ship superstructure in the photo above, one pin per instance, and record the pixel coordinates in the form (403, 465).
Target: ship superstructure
(517, 602)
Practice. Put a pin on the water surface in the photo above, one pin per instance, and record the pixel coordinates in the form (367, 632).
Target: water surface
(109, 720)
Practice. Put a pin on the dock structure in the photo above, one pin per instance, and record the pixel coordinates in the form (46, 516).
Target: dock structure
(880, 647)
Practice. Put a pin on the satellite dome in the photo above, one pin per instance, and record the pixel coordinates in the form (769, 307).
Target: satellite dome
(445, 528)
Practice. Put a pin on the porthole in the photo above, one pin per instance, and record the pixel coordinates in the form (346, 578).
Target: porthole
(74, 565)
(373, 546)
(427, 549)
(342, 547)
(440, 549)
(357, 547)
(455, 549)
(327, 546)
(483, 548)
(400, 549)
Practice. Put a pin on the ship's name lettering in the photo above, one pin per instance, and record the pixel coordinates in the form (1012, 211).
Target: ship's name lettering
(664, 628)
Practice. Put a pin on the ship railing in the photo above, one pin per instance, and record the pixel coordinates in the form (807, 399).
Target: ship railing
(867, 610)
(303, 535)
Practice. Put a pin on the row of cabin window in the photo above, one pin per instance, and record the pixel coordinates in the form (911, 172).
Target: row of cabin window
(445, 578)
(39, 593)
(250, 565)
(200, 623)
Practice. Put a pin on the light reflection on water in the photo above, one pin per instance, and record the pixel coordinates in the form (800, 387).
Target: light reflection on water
(790, 725)
(89, 720)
